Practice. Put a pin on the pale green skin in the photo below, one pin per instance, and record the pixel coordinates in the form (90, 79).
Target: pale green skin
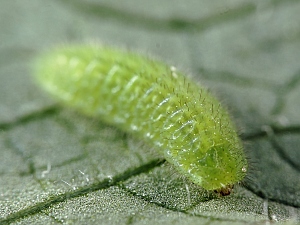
(147, 98)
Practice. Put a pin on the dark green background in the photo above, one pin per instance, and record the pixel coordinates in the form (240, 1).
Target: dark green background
(246, 52)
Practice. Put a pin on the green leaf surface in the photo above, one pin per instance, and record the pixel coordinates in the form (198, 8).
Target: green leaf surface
(60, 167)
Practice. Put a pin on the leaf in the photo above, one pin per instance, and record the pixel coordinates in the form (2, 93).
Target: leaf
(58, 166)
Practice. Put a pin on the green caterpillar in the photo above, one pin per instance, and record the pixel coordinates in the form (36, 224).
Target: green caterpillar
(176, 116)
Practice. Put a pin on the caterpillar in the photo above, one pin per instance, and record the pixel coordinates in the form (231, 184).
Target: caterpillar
(153, 101)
